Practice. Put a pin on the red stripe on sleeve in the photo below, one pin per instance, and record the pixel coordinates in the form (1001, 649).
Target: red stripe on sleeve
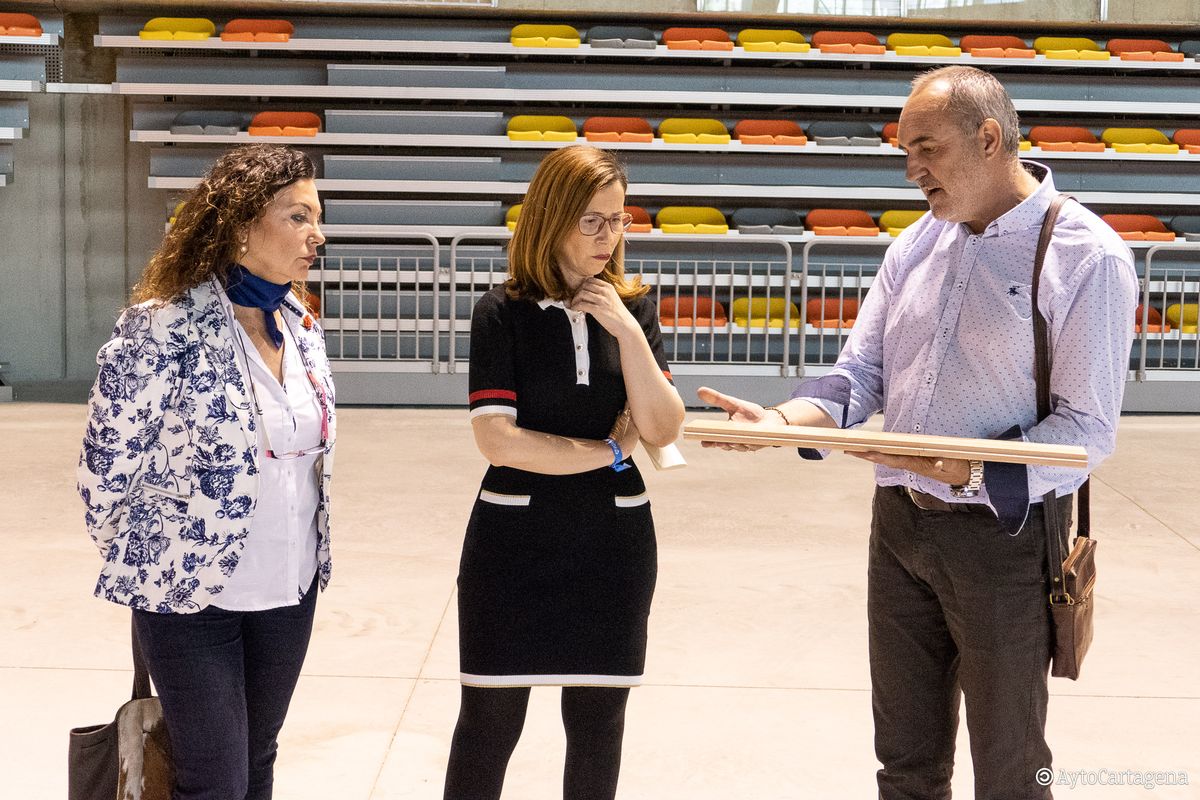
(492, 394)
(668, 374)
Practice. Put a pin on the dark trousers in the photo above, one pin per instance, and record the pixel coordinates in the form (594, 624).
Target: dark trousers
(957, 608)
(225, 679)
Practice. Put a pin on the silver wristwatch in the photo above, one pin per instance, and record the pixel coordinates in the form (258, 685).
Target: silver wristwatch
(974, 483)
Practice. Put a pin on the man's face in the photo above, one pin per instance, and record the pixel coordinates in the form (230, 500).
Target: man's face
(948, 164)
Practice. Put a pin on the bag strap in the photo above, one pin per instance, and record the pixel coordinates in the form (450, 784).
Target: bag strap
(1041, 348)
(141, 675)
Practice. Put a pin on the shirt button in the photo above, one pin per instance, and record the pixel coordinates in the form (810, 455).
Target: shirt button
(917, 427)
(578, 347)
(579, 373)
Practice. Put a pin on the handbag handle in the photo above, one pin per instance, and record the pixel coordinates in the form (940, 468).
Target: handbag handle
(1041, 350)
(141, 675)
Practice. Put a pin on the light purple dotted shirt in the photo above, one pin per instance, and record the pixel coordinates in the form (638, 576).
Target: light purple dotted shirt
(943, 343)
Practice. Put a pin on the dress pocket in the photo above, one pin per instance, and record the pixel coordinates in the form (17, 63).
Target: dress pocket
(170, 494)
(631, 501)
(496, 498)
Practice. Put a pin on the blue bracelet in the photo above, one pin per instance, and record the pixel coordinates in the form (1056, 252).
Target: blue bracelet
(618, 456)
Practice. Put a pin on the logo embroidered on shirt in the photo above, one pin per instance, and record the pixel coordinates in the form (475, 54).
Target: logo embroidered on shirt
(1014, 290)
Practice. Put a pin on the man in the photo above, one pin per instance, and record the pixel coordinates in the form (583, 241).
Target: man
(957, 583)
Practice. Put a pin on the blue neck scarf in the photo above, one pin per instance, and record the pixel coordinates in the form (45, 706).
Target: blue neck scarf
(247, 289)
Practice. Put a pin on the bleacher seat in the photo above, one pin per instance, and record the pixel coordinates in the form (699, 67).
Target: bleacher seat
(848, 42)
(847, 133)
(1138, 140)
(1154, 321)
(895, 220)
(626, 37)
(840, 222)
(1143, 50)
(1139, 227)
(512, 215)
(257, 30)
(772, 40)
(617, 129)
(1188, 139)
(983, 46)
(285, 123)
(1190, 48)
(178, 29)
(1184, 316)
(206, 122)
(777, 221)
(692, 130)
(1187, 226)
(691, 311)
(19, 24)
(691, 219)
(533, 35)
(831, 312)
(1069, 47)
(538, 128)
(1065, 138)
(641, 220)
(922, 44)
(769, 131)
(762, 312)
(889, 132)
(697, 39)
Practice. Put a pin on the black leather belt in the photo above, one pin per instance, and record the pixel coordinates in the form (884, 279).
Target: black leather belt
(927, 502)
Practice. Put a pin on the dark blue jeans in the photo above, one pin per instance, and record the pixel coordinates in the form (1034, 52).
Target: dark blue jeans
(225, 679)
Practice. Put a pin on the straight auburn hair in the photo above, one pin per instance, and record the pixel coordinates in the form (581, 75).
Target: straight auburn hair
(557, 197)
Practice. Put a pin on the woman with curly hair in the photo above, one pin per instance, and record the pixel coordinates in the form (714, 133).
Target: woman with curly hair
(206, 466)
(559, 563)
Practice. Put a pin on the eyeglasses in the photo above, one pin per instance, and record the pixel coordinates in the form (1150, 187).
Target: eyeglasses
(590, 224)
(317, 390)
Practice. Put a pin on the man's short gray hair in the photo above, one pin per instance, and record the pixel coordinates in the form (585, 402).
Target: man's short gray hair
(973, 96)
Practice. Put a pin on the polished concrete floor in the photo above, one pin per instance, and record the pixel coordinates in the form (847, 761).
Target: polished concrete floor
(756, 686)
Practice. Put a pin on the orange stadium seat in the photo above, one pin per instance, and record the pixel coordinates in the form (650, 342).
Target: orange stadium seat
(1139, 227)
(769, 131)
(617, 129)
(696, 39)
(841, 222)
(17, 24)
(847, 42)
(257, 30)
(691, 311)
(285, 123)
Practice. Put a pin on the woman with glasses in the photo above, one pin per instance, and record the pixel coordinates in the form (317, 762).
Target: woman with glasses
(559, 562)
(206, 466)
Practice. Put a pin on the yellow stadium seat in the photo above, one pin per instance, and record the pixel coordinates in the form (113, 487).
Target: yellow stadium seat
(1043, 44)
(537, 128)
(895, 220)
(922, 44)
(1185, 317)
(763, 40)
(1138, 140)
(511, 216)
(761, 312)
(528, 35)
(177, 29)
(686, 130)
(691, 219)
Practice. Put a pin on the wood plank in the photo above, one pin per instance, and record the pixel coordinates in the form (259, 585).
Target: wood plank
(908, 444)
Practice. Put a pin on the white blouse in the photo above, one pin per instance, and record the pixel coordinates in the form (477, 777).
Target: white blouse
(279, 558)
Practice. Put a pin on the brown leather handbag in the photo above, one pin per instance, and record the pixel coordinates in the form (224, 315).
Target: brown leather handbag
(1072, 579)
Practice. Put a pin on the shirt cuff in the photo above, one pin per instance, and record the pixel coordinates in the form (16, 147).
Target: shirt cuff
(1008, 487)
(830, 393)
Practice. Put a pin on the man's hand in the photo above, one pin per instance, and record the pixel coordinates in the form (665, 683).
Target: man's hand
(954, 471)
(738, 410)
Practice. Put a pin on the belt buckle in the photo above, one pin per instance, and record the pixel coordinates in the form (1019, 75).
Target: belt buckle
(919, 500)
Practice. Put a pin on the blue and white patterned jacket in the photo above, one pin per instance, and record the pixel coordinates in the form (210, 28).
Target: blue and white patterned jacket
(169, 468)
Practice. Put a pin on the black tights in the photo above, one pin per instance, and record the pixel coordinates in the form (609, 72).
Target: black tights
(490, 723)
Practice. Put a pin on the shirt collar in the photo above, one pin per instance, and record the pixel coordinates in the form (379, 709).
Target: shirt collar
(545, 303)
(1030, 212)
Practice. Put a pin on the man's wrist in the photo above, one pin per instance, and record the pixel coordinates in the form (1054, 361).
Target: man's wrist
(974, 481)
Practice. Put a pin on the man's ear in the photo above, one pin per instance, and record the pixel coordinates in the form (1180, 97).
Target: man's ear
(990, 137)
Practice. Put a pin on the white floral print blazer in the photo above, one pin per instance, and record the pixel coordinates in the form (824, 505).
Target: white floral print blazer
(169, 468)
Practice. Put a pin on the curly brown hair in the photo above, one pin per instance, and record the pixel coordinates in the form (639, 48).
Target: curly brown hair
(202, 243)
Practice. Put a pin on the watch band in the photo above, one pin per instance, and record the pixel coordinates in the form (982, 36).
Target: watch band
(974, 482)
